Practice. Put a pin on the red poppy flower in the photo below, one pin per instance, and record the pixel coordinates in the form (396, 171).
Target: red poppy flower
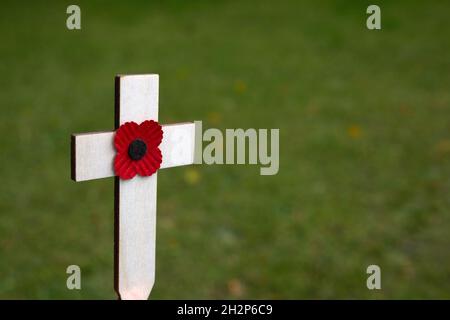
(137, 149)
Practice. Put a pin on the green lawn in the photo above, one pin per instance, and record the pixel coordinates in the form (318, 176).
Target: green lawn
(364, 120)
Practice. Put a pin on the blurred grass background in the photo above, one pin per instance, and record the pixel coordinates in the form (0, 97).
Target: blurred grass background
(364, 124)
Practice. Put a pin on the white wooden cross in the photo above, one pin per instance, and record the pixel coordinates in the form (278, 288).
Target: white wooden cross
(93, 154)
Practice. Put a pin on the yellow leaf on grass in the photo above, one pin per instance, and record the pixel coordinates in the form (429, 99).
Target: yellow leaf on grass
(354, 131)
(240, 86)
(192, 176)
(214, 118)
(236, 288)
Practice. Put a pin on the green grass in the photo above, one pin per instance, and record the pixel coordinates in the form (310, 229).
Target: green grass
(364, 120)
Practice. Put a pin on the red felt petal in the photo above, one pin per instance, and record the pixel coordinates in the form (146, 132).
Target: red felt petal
(150, 163)
(123, 166)
(151, 132)
(125, 134)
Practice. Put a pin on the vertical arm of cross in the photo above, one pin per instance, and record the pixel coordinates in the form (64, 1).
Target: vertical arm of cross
(135, 199)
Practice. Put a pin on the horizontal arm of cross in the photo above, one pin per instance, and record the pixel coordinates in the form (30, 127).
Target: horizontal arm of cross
(93, 153)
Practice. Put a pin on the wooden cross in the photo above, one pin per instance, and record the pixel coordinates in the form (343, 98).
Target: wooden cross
(136, 99)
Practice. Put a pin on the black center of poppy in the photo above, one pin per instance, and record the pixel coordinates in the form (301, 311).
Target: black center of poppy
(137, 149)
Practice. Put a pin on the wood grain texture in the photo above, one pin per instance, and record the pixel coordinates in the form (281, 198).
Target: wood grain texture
(92, 156)
(135, 217)
(93, 153)
(178, 145)
(136, 223)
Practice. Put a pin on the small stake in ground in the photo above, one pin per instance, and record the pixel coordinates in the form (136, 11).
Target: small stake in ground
(96, 155)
